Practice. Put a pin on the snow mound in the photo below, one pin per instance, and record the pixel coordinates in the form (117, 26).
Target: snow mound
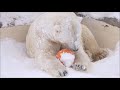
(109, 67)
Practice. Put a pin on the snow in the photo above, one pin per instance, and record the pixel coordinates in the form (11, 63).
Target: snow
(16, 64)
(26, 18)
(100, 15)
(18, 18)
(67, 59)
(110, 65)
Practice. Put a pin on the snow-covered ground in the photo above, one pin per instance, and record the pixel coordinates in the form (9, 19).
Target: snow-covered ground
(16, 64)
(100, 15)
(17, 18)
(25, 18)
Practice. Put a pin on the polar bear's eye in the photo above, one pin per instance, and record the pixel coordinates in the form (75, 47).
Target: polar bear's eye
(57, 28)
(58, 31)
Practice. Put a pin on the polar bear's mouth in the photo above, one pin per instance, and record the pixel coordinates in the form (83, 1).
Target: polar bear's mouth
(75, 49)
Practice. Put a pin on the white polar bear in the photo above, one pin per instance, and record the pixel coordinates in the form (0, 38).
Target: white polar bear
(51, 32)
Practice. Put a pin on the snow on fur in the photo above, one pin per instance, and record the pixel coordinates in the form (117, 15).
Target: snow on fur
(67, 59)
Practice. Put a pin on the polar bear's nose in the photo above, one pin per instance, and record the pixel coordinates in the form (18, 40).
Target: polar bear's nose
(75, 50)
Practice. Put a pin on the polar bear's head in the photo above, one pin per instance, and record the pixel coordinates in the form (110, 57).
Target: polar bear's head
(66, 35)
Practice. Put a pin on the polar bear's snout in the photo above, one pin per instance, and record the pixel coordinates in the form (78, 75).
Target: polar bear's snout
(76, 49)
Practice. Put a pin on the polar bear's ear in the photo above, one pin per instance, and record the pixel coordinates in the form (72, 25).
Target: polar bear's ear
(80, 19)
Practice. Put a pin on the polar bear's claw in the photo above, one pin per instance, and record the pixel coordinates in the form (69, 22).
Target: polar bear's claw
(64, 73)
(79, 67)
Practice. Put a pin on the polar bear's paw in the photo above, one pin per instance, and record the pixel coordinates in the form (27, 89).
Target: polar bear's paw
(79, 67)
(63, 73)
(60, 72)
(102, 53)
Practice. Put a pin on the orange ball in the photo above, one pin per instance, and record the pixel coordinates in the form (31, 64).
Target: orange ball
(66, 56)
(58, 55)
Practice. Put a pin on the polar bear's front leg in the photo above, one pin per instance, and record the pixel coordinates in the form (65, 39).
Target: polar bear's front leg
(82, 60)
(51, 65)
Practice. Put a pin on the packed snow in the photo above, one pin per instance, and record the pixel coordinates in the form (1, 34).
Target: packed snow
(16, 64)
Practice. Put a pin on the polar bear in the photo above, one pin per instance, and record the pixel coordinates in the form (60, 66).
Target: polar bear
(51, 32)
(91, 46)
